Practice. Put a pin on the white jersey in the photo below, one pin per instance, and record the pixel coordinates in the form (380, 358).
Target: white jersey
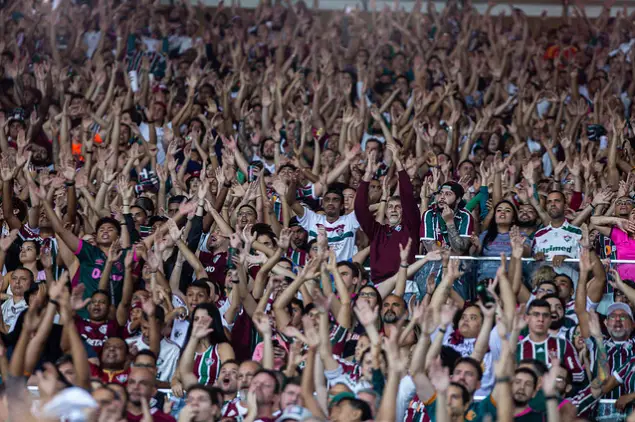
(168, 356)
(340, 233)
(564, 240)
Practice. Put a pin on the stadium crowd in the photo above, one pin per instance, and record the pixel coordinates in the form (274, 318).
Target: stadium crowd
(262, 212)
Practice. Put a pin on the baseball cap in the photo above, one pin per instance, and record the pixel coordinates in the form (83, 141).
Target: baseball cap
(294, 413)
(619, 306)
(454, 187)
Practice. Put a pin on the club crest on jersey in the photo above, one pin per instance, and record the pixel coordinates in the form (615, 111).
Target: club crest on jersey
(398, 228)
(210, 361)
(122, 378)
(567, 238)
(103, 329)
(339, 230)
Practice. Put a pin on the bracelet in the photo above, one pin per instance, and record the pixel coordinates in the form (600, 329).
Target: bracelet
(547, 398)
(502, 379)
(69, 184)
(88, 151)
(592, 206)
(384, 200)
(227, 184)
(403, 266)
(236, 281)
(54, 302)
(443, 330)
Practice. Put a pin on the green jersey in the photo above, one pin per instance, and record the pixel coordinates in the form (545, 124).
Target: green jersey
(92, 262)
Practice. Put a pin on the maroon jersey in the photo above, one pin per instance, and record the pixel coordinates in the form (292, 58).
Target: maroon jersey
(215, 265)
(96, 333)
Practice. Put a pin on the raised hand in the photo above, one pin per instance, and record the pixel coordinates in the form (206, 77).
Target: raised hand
(201, 328)
(404, 251)
(439, 375)
(76, 300)
(7, 241)
(365, 314)
(448, 311)
(261, 321)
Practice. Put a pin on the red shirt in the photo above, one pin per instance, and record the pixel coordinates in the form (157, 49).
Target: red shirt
(108, 376)
(96, 333)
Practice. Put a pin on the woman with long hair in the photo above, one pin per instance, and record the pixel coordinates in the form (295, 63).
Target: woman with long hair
(497, 238)
(206, 347)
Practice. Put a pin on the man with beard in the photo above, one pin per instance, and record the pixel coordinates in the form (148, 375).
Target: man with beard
(298, 251)
(403, 221)
(141, 387)
(562, 386)
(540, 345)
(267, 154)
(559, 240)
(447, 223)
(392, 310)
(238, 406)
(527, 220)
(560, 324)
(524, 386)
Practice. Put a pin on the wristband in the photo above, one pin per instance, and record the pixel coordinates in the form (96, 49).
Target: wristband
(236, 281)
(403, 266)
(547, 398)
(384, 200)
(443, 330)
(592, 206)
(503, 379)
(69, 184)
(227, 184)
(54, 302)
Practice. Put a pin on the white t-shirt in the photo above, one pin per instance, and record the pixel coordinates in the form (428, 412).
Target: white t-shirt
(11, 311)
(340, 233)
(144, 128)
(168, 356)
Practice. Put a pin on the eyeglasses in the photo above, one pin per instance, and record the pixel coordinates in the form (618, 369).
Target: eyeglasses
(618, 317)
(623, 202)
(368, 294)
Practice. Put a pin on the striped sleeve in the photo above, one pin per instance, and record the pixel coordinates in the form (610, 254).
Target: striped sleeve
(428, 231)
(584, 400)
(465, 224)
(571, 361)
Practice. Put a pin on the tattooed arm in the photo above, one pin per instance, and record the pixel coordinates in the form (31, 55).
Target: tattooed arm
(459, 244)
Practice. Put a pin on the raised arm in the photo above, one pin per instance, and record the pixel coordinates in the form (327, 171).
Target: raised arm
(261, 322)
(200, 330)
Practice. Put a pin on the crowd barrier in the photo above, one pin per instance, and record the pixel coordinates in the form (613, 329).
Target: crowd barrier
(478, 269)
